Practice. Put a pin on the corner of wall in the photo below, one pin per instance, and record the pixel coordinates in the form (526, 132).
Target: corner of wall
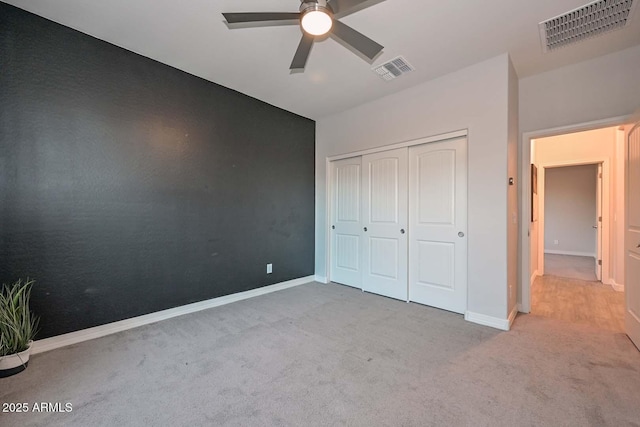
(514, 245)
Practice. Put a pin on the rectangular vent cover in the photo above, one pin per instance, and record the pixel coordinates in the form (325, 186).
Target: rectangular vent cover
(588, 21)
(394, 68)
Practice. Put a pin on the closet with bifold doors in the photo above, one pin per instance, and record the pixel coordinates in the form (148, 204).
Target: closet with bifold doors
(398, 221)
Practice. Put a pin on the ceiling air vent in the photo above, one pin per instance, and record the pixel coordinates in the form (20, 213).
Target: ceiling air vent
(394, 68)
(588, 21)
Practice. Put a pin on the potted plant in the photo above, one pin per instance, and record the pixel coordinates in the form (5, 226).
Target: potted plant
(18, 327)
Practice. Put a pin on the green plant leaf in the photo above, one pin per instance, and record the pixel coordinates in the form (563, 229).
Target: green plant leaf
(18, 325)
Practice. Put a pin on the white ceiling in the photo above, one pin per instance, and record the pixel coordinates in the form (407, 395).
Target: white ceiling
(435, 36)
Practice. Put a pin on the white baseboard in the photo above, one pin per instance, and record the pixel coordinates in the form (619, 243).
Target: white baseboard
(483, 319)
(513, 314)
(555, 252)
(321, 279)
(533, 276)
(40, 346)
(616, 287)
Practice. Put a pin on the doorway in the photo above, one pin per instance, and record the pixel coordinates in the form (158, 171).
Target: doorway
(571, 221)
(575, 243)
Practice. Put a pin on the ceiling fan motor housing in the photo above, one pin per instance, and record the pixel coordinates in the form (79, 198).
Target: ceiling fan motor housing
(316, 5)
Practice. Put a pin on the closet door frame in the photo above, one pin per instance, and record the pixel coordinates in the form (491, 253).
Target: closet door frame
(328, 182)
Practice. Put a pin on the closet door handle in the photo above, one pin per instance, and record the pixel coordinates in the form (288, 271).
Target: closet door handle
(402, 231)
(333, 227)
(365, 229)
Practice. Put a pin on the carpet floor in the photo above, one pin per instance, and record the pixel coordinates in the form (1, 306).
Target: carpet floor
(570, 266)
(578, 301)
(317, 355)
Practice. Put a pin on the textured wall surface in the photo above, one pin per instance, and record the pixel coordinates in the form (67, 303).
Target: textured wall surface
(128, 187)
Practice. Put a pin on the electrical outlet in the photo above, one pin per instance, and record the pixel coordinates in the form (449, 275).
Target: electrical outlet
(555, 242)
(269, 268)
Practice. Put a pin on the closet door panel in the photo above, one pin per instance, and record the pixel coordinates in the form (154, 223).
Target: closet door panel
(438, 224)
(384, 209)
(346, 222)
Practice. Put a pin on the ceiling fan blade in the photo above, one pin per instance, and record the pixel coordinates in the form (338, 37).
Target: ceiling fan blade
(342, 6)
(304, 48)
(358, 41)
(234, 18)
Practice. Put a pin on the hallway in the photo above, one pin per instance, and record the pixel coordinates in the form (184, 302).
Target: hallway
(570, 267)
(578, 301)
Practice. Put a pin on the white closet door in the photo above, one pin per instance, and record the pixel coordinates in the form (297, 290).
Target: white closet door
(438, 224)
(384, 214)
(346, 224)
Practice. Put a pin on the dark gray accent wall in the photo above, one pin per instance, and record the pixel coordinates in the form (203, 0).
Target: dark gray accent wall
(128, 186)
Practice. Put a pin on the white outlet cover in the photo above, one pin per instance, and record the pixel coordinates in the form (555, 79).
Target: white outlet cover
(269, 268)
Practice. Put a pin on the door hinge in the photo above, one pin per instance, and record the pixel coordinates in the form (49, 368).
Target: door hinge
(599, 219)
(599, 262)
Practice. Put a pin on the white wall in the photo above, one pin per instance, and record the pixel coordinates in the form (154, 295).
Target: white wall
(533, 227)
(475, 98)
(578, 145)
(570, 210)
(533, 252)
(598, 89)
(604, 87)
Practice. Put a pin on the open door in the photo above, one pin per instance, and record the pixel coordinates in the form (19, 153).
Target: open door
(632, 237)
(598, 225)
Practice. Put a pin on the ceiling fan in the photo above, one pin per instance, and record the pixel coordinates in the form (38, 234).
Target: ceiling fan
(316, 17)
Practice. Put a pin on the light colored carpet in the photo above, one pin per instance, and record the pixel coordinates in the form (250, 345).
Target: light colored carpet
(572, 267)
(331, 355)
(578, 301)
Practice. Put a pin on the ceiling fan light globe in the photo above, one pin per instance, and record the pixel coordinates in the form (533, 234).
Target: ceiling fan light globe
(316, 22)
